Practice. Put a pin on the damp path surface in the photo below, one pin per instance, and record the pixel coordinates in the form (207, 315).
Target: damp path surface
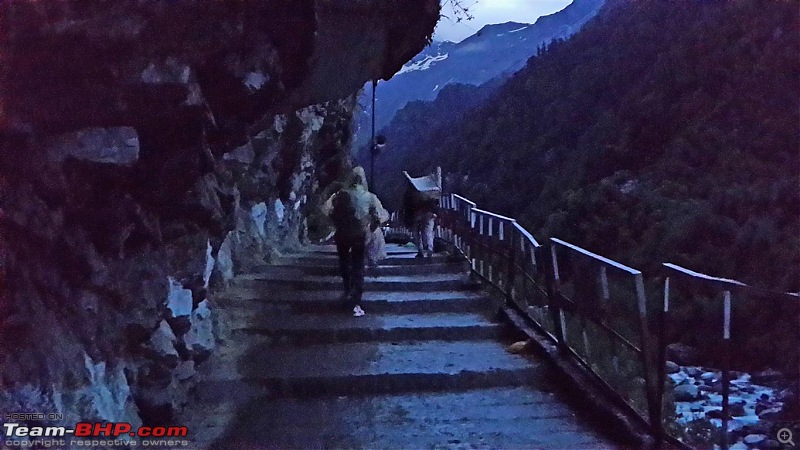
(426, 367)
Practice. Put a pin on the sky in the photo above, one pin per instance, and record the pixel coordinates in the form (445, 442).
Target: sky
(485, 12)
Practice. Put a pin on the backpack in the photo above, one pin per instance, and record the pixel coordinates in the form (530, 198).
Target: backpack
(345, 216)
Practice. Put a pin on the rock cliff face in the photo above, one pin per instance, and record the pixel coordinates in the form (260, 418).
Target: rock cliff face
(150, 150)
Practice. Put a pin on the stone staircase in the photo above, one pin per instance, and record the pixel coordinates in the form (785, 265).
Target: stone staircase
(426, 367)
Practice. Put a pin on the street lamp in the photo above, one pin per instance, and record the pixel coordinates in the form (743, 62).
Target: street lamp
(376, 143)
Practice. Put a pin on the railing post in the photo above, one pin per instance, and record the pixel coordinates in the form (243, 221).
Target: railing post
(663, 321)
(511, 264)
(726, 376)
(553, 290)
(647, 359)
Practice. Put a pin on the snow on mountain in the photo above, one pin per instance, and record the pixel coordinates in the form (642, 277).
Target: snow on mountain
(425, 64)
(495, 50)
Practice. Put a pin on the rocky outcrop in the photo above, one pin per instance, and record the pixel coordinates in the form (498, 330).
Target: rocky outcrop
(148, 152)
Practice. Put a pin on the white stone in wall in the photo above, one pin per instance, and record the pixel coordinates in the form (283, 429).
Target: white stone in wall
(179, 300)
(225, 259)
(114, 145)
(108, 393)
(280, 210)
(107, 398)
(279, 123)
(255, 80)
(163, 341)
(259, 214)
(209, 265)
(200, 337)
(312, 119)
(243, 154)
(195, 95)
(170, 71)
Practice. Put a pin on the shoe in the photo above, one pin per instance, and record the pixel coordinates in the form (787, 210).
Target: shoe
(357, 311)
(420, 255)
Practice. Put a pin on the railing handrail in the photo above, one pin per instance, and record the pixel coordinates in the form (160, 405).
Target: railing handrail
(527, 235)
(491, 214)
(727, 283)
(465, 200)
(603, 259)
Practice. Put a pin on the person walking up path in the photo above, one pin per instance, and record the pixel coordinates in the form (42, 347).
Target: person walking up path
(420, 205)
(356, 213)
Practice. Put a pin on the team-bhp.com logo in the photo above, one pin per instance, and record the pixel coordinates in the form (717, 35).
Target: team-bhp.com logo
(94, 435)
(88, 429)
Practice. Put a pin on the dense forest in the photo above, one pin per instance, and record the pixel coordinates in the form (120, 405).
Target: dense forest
(663, 131)
(412, 130)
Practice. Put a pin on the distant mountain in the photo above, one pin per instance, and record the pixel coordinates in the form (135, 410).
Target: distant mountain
(661, 132)
(413, 131)
(493, 51)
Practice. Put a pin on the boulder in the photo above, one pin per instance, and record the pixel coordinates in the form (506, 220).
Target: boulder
(692, 371)
(672, 367)
(755, 439)
(767, 377)
(682, 354)
(737, 410)
(686, 393)
(710, 376)
(771, 414)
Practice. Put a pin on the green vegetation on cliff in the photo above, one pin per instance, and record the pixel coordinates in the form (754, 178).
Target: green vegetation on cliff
(663, 131)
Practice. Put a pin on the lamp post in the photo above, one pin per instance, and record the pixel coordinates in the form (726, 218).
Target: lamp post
(376, 143)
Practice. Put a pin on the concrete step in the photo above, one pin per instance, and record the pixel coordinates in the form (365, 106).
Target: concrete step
(391, 249)
(406, 302)
(517, 417)
(362, 368)
(271, 282)
(301, 270)
(333, 260)
(300, 329)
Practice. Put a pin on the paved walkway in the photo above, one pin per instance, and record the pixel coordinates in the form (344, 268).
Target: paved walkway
(425, 368)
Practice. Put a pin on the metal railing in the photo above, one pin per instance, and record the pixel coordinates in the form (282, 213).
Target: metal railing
(720, 294)
(595, 309)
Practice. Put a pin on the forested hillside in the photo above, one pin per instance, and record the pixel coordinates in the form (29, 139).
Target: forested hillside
(409, 132)
(663, 131)
(496, 50)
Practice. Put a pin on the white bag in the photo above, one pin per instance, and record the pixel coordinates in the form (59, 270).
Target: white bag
(376, 247)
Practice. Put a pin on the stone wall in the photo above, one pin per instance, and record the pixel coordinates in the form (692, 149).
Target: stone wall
(149, 151)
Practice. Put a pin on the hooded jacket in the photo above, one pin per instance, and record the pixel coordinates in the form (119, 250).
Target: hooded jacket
(354, 210)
